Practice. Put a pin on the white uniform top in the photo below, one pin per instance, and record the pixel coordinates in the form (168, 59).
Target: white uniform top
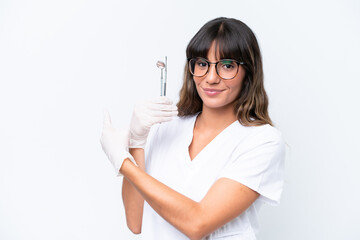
(253, 156)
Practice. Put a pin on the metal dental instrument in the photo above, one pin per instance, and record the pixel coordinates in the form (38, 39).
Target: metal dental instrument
(163, 78)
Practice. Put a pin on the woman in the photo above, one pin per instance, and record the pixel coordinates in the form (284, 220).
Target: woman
(207, 171)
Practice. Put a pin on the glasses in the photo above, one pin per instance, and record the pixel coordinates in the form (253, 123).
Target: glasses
(225, 68)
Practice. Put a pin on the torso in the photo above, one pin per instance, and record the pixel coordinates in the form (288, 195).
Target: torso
(214, 154)
(202, 137)
(200, 140)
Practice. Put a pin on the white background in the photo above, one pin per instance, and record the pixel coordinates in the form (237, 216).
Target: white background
(61, 62)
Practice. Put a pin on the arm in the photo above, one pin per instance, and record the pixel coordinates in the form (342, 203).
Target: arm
(116, 144)
(145, 115)
(225, 200)
(132, 199)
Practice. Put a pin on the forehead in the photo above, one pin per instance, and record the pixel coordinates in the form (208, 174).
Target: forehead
(216, 49)
(214, 53)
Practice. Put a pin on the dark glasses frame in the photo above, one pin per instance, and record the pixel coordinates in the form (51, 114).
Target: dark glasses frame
(216, 64)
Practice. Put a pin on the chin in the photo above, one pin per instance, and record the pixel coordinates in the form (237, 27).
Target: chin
(216, 104)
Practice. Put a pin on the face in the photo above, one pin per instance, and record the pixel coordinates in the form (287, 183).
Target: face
(214, 91)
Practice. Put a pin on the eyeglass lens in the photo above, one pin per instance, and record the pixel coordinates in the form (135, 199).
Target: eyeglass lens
(226, 68)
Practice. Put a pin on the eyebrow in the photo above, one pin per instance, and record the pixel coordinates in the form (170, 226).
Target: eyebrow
(226, 61)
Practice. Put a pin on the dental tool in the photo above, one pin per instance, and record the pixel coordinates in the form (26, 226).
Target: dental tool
(162, 65)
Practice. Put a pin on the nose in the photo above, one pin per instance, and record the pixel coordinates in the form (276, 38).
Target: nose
(212, 76)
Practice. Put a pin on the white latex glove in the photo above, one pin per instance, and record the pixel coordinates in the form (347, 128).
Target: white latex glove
(147, 114)
(115, 144)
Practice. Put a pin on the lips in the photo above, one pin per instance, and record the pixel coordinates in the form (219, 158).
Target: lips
(212, 91)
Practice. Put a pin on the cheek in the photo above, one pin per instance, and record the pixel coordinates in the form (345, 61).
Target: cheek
(235, 88)
(196, 80)
(239, 87)
(238, 84)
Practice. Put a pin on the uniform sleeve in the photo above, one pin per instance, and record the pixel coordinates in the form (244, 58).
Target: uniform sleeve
(259, 165)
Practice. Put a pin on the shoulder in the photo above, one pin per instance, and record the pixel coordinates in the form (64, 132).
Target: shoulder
(176, 125)
(267, 132)
(183, 120)
(256, 136)
(258, 160)
(166, 134)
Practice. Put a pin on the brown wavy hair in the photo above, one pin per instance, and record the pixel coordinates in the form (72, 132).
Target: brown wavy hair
(233, 40)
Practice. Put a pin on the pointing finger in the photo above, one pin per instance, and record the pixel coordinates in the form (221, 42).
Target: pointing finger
(106, 117)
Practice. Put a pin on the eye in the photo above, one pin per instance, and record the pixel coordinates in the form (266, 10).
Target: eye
(201, 63)
(228, 65)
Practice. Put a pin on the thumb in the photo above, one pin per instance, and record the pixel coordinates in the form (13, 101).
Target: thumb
(106, 117)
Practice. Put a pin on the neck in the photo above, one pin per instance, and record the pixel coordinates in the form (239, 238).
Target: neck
(218, 118)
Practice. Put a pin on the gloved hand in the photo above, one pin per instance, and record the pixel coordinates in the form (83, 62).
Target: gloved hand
(115, 144)
(147, 114)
